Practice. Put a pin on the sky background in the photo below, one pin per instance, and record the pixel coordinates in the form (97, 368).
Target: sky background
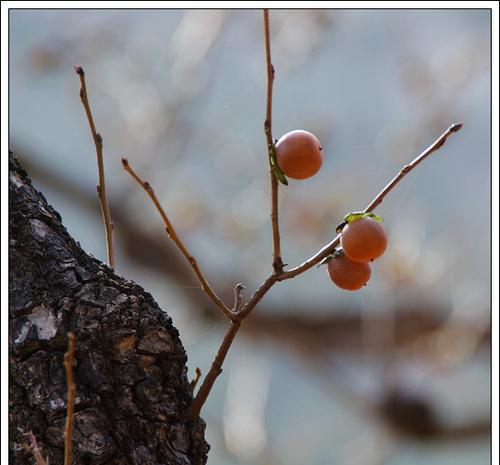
(182, 95)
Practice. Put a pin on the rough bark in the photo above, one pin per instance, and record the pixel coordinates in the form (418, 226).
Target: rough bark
(130, 365)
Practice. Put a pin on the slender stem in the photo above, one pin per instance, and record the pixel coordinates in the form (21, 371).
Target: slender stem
(330, 247)
(101, 187)
(257, 295)
(215, 370)
(36, 449)
(436, 145)
(277, 260)
(238, 315)
(172, 234)
(238, 298)
(68, 431)
(197, 376)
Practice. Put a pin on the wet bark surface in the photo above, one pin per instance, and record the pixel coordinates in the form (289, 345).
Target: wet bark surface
(130, 365)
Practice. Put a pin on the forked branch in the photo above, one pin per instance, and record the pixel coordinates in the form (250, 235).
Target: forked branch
(242, 310)
(330, 247)
(101, 187)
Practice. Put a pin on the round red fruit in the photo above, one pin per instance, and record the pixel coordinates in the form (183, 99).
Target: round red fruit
(347, 274)
(363, 240)
(299, 154)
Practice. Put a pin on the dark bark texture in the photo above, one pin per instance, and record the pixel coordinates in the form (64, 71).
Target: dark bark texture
(130, 365)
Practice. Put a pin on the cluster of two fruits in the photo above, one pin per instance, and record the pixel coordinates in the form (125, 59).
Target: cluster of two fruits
(298, 155)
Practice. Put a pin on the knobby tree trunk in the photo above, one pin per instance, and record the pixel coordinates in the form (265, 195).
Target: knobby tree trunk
(130, 365)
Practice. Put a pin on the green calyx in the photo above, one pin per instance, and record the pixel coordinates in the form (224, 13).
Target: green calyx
(338, 252)
(325, 260)
(275, 167)
(355, 216)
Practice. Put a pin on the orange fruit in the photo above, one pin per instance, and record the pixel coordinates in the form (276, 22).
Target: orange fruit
(299, 154)
(363, 240)
(347, 274)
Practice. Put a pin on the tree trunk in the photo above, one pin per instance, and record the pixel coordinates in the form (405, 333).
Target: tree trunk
(130, 365)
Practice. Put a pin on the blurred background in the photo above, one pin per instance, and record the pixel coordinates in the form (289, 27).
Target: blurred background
(397, 373)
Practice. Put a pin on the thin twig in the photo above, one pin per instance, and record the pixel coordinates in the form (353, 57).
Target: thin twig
(330, 247)
(172, 234)
(277, 260)
(35, 449)
(215, 370)
(257, 296)
(238, 298)
(68, 430)
(197, 376)
(101, 187)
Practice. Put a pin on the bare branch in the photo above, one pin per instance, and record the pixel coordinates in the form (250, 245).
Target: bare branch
(406, 169)
(68, 430)
(197, 376)
(172, 234)
(330, 247)
(277, 261)
(238, 298)
(257, 296)
(36, 450)
(101, 187)
(215, 371)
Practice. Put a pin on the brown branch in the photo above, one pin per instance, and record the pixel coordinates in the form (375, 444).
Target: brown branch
(35, 449)
(197, 376)
(172, 234)
(257, 296)
(330, 247)
(277, 261)
(406, 169)
(215, 370)
(238, 298)
(101, 187)
(68, 366)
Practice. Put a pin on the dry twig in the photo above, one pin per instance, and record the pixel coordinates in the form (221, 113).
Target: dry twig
(197, 376)
(277, 260)
(101, 187)
(172, 234)
(215, 370)
(68, 366)
(36, 450)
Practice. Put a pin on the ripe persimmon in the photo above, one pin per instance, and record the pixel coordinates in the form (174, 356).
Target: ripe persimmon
(299, 154)
(347, 274)
(363, 239)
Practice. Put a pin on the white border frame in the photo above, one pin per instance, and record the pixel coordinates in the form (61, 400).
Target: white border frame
(6, 5)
